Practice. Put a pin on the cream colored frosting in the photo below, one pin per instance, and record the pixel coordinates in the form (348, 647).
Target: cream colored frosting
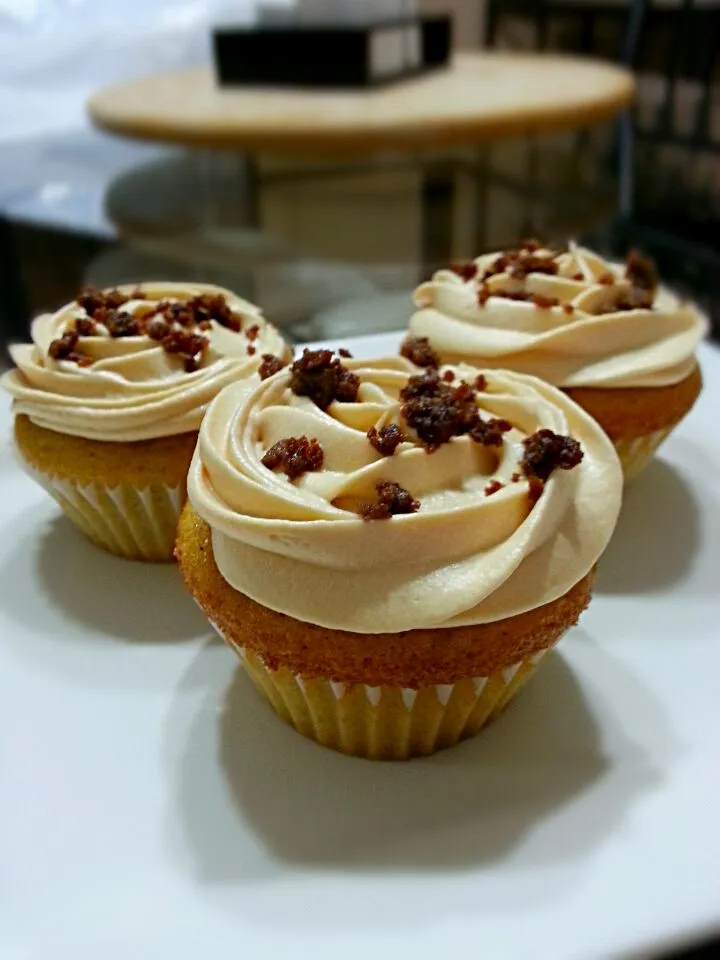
(134, 390)
(589, 347)
(464, 558)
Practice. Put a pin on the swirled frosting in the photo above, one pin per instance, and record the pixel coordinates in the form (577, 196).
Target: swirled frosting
(582, 325)
(467, 556)
(132, 388)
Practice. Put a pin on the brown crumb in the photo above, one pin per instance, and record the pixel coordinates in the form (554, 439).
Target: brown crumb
(121, 324)
(387, 439)
(64, 348)
(532, 245)
(437, 411)
(480, 382)
(344, 353)
(621, 297)
(641, 271)
(515, 477)
(294, 456)
(251, 350)
(519, 263)
(322, 378)
(468, 271)
(214, 306)
(544, 303)
(448, 376)
(190, 347)
(157, 328)
(391, 500)
(483, 294)
(546, 450)
(535, 489)
(85, 326)
(61, 348)
(490, 432)
(269, 366)
(579, 275)
(81, 359)
(569, 309)
(531, 263)
(493, 487)
(418, 351)
(91, 300)
(252, 332)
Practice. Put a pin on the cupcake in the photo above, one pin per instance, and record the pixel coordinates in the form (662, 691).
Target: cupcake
(390, 551)
(614, 340)
(109, 396)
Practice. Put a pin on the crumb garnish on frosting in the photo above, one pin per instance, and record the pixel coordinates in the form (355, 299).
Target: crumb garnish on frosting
(270, 365)
(535, 489)
(391, 499)
(345, 353)
(490, 432)
(323, 378)
(493, 487)
(468, 271)
(641, 271)
(504, 277)
(418, 351)
(546, 450)
(437, 412)
(519, 263)
(64, 348)
(294, 456)
(178, 327)
(387, 439)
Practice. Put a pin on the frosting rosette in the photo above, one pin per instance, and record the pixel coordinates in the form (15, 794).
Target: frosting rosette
(570, 318)
(139, 362)
(370, 496)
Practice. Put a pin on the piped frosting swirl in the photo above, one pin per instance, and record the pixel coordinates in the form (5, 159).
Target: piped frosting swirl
(571, 318)
(138, 362)
(482, 536)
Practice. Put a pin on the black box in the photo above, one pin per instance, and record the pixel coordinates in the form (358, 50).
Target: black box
(319, 56)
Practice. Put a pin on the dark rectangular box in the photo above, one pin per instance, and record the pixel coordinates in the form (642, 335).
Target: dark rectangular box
(331, 56)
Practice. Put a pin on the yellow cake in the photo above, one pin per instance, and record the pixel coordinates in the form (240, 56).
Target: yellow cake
(111, 392)
(622, 346)
(391, 553)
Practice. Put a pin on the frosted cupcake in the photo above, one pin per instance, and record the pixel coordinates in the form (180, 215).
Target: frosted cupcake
(111, 392)
(619, 344)
(392, 552)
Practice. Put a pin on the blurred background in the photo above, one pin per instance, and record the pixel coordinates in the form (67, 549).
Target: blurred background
(333, 244)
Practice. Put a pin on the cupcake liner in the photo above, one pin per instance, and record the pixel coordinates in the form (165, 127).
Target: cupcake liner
(637, 452)
(138, 523)
(385, 723)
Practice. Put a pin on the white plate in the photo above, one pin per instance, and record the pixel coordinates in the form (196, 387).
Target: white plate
(151, 805)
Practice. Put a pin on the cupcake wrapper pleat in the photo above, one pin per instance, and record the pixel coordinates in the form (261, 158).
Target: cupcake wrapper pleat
(637, 452)
(138, 523)
(386, 723)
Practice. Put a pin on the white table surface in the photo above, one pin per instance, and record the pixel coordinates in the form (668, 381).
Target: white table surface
(152, 806)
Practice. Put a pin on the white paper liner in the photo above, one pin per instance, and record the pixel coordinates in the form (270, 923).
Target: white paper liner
(138, 523)
(637, 453)
(392, 723)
